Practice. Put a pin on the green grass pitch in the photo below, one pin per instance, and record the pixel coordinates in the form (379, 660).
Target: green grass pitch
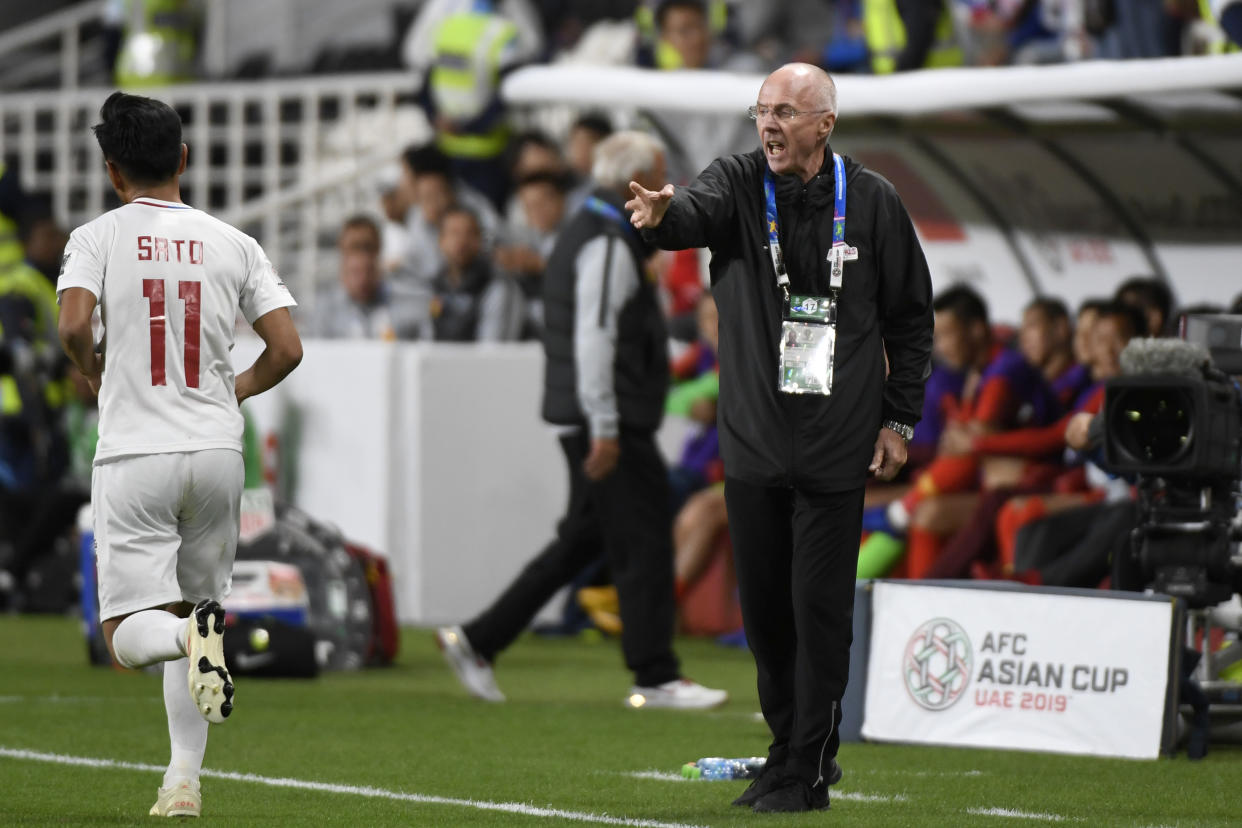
(563, 742)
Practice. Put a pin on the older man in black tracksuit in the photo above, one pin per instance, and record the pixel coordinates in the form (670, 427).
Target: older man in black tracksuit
(606, 378)
(796, 463)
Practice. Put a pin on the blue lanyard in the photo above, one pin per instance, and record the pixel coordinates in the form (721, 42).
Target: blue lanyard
(838, 218)
(600, 207)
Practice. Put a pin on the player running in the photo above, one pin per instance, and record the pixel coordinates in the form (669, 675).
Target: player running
(166, 488)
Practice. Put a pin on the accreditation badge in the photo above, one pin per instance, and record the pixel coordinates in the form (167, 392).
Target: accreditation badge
(808, 342)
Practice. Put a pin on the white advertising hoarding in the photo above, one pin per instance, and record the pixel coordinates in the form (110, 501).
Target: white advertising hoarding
(1018, 669)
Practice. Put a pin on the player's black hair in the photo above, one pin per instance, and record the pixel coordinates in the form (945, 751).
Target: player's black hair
(427, 158)
(141, 136)
(526, 138)
(1051, 307)
(1147, 292)
(562, 182)
(1095, 304)
(364, 221)
(1131, 316)
(963, 302)
(594, 122)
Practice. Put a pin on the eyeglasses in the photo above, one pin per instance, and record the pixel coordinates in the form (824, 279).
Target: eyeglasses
(782, 113)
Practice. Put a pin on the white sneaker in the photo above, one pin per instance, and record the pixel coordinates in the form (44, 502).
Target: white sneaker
(682, 694)
(473, 672)
(183, 799)
(211, 686)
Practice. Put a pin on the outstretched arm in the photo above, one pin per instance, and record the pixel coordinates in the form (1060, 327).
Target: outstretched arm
(698, 215)
(649, 206)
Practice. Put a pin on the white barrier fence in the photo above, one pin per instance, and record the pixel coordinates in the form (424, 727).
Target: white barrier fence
(285, 161)
(434, 455)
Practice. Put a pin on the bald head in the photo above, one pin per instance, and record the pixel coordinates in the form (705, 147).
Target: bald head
(795, 114)
(809, 79)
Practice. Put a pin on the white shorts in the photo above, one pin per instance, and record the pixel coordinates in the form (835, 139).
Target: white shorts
(165, 528)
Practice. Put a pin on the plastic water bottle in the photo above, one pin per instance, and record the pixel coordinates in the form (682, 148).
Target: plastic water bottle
(714, 768)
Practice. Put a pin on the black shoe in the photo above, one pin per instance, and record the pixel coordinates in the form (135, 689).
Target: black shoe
(792, 795)
(834, 773)
(767, 781)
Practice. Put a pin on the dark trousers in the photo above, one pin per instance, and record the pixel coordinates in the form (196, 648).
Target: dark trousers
(797, 555)
(626, 516)
(1077, 547)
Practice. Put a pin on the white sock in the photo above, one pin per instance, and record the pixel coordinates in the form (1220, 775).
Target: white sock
(187, 730)
(147, 637)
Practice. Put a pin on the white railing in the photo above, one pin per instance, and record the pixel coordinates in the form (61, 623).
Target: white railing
(64, 26)
(284, 160)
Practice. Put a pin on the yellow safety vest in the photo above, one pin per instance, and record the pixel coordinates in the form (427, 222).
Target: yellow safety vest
(886, 37)
(1222, 46)
(160, 45)
(11, 250)
(464, 76)
(23, 280)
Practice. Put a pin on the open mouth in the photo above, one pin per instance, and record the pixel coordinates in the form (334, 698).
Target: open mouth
(774, 149)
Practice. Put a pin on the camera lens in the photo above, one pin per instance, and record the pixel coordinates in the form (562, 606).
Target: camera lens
(1153, 424)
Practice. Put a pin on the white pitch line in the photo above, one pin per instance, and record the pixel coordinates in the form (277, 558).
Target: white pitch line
(355, 790)
(875, 772)
(663, 776)
(855, 796)
(852, 796)
(1009, 812)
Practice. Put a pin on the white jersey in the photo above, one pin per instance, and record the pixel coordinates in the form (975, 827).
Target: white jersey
(169, 280)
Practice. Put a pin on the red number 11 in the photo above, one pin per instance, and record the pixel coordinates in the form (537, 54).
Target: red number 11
(189, 293)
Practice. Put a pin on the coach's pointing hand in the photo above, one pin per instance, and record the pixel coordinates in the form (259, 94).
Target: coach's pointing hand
(648, 206)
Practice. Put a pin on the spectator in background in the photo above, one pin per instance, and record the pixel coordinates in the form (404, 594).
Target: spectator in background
(584, 136)
(792, 30)
(429, 186)
(531, 152)
(15, 205)
(470, 46)
(418, 48)
(523, 252)
(395, 203)
(1229, 15)
(157, 41)
(365, 304)
(1153, 297)
(687, 41)
(910, 34)
(468, 304)
(607, 373)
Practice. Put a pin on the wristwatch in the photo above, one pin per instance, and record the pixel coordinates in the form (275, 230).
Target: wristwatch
(906, 431)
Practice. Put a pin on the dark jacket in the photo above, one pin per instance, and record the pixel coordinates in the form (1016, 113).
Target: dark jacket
(810, 441)
(640, 368)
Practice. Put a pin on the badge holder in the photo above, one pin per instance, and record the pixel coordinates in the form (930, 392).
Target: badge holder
(808, 343)
(809, 328)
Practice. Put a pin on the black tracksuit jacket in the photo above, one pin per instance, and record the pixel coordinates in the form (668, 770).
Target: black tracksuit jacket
(812, 442)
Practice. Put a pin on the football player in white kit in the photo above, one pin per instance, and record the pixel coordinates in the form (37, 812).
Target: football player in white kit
(166, 490)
